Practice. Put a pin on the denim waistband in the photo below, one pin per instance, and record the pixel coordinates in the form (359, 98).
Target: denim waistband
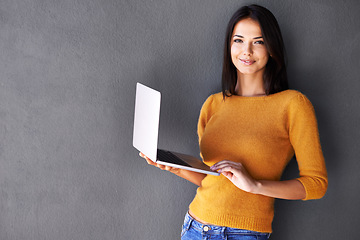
(214, 229)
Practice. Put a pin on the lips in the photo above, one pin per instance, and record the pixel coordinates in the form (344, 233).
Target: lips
(247, 62)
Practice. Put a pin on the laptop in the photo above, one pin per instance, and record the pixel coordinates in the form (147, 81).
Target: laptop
(146, 129)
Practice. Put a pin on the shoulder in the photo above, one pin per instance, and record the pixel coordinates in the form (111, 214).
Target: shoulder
(299, 106)
(289, 94)
(212, 103)
(298, 98)
(214, 99)
(293, 98)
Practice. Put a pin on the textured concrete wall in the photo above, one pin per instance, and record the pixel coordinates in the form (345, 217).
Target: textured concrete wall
(67, 82)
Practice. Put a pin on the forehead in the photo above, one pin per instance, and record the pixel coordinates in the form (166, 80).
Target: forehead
(247, 28)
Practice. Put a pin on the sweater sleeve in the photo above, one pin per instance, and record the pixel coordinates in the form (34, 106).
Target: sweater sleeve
(304, 137)
(205, 115)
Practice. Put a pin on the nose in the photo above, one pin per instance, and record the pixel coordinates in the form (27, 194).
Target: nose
(247, 49)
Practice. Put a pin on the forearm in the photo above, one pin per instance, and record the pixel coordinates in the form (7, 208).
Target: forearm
(289, 189)
(239, 176)
(191, 176)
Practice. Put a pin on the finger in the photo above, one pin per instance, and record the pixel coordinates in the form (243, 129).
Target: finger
(226, 164)
(162, 167)
(149, 161)
(229, 171)
(223, 162)
(145, 157)
(167, 168)
(228, 175)
(170, 169)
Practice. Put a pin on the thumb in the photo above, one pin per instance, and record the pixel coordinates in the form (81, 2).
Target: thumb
(228, 175)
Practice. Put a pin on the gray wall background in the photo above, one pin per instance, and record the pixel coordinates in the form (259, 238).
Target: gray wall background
(68, 71)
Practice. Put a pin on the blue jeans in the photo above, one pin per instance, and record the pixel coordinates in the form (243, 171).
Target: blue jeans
(194, 230)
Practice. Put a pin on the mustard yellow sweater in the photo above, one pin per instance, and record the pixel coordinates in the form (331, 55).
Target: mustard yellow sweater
(262, 133)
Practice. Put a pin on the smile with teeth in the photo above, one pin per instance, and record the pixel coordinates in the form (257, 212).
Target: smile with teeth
(247, 62)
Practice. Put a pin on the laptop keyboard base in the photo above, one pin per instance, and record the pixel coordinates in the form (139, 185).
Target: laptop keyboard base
(169, 157)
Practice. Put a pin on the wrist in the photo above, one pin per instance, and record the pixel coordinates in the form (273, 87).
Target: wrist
(257, 187)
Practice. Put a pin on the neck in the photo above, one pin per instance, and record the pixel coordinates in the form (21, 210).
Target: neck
(250, 85)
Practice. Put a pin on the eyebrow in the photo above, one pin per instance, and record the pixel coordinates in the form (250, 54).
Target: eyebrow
(243, 37)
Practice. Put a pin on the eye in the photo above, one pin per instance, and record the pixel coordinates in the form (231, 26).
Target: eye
(238, 40)
(260, 42)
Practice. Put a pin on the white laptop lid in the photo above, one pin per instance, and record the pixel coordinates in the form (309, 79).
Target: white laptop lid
(146, 120)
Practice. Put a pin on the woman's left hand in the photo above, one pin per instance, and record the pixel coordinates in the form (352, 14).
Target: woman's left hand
(237, 174)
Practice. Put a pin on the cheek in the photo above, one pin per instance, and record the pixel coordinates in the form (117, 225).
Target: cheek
(263, 54)
(234, 52)
(235, 48)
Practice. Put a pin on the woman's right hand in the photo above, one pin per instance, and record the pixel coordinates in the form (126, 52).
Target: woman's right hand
(191, 176)
(162, 167)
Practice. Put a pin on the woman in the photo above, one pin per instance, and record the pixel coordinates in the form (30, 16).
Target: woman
(249, 133)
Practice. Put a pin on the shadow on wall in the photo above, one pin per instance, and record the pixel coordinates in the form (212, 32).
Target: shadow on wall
(180, 104)
(288, 214)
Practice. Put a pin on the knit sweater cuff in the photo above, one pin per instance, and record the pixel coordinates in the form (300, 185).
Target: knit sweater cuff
(315, 187)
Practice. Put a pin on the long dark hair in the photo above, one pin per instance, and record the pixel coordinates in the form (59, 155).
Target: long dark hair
(275, 77)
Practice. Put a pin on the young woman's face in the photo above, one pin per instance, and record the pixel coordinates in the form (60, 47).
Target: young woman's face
(248, 52)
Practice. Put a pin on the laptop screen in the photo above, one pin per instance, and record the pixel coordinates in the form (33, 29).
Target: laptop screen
(146, 120)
